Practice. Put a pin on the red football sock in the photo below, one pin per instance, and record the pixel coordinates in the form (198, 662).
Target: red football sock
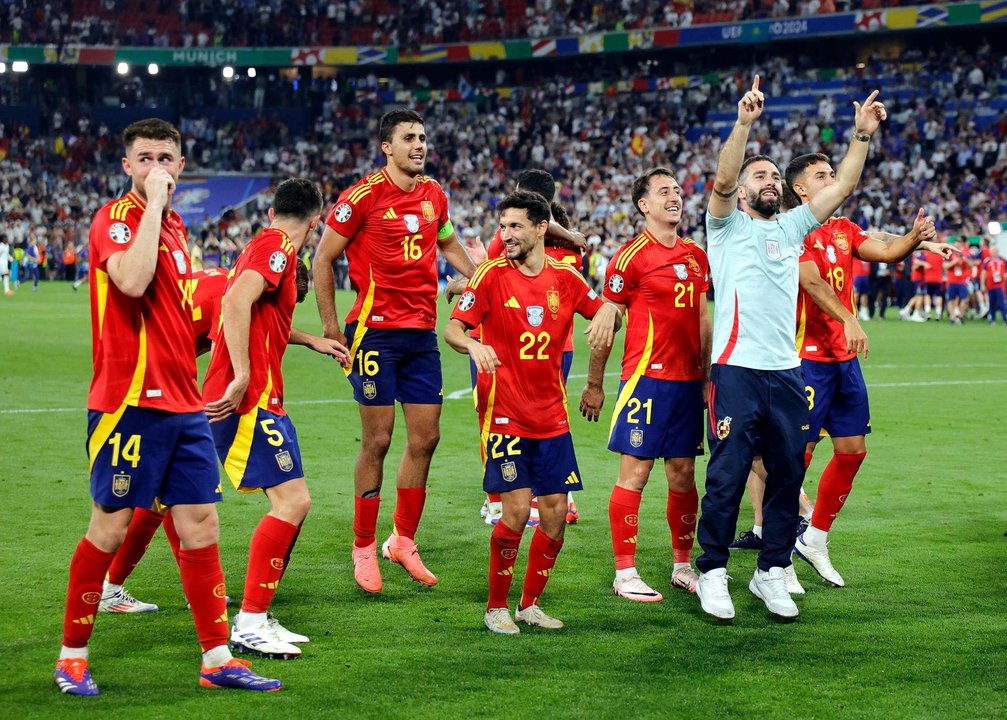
(504, 544)
(290, 550)
(365, 519)
(623, 517)
(172, 533)
(494, 497)
(541, 560)
(408, 509)
(269, 545)
(83, 592)
(807, 459)
(203, 583)
(834, 488)
(682, 508)
(141, 529)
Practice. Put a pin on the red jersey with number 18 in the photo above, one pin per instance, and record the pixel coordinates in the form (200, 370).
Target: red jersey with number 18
(392, 250)
(271, 255)
(143, 348)
(663, 288)
(831, 247)
(525, 320)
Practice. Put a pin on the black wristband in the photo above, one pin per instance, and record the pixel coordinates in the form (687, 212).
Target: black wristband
(861, 138)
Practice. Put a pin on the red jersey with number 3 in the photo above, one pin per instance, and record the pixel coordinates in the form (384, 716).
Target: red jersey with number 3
(142, 348)
(524, 319)
(831, 247)
(664, 289)
(994, 273)
(392, 250)
(207, 292)
(271, 255)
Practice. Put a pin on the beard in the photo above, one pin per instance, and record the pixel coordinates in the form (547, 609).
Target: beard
(766, 208)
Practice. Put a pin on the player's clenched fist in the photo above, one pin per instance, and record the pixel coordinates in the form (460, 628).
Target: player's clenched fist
(750, 106)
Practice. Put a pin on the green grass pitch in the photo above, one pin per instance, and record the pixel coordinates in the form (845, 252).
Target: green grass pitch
(919, 631)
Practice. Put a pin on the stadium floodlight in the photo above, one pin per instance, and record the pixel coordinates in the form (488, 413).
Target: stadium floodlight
(228, 72)
(251, 72)
(122, 68)
(995, 228)
(153, 69)
(19, 66)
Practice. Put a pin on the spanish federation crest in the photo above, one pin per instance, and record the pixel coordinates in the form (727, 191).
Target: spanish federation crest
(284, 461)
(680, 272)
(120, 485)
(509, 471)
(427, 208)
(412, 223)
(841, 242)
(552, 298)
(773, 249)
(536, 313)
(370, 389)
(724, 428)
(693, 264)
(179, 261)
(830, 252)
(636, 437)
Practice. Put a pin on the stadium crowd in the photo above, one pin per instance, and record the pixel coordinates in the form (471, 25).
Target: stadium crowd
(230, 23)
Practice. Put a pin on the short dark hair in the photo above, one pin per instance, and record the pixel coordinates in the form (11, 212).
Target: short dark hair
(302, 280)
(559, 215)
(755, 159)
(801, 163)
(386, 128)
(642, 184)
(532, 203)
(538, 181)
(297, 197)
(151, 129)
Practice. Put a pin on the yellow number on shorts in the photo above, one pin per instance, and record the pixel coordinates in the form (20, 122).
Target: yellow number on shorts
(496, 440)
(680, 290)
(528, 350)
(634, 406)
(810, 391)
(410, 249)
(367, 363)
(837, 278)
(130, 452)
(273, 436)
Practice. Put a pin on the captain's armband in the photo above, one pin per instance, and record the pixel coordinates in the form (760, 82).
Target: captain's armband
(726, 195)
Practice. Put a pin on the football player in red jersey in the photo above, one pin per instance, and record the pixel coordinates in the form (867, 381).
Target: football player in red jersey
(525, 303)
(659, 280)
(255, 439)
(391, 225)
(147, 433)
(994, 274)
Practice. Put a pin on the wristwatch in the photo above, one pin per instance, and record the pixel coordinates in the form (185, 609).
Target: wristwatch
(862, 138)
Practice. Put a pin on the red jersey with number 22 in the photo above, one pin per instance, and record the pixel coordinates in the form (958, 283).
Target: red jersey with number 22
(831, 247)
(272, 255)
(525, 320)
(143, 348)
(392, 250)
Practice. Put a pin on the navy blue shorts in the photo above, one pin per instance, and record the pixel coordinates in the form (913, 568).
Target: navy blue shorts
(935, 290)
(258, 449)
(138, 454)
(958, 291)
(837, 399)
(395, 365)
(862, 284)
(658, 418)
(919, 287)
(567, 364)
(546, 465)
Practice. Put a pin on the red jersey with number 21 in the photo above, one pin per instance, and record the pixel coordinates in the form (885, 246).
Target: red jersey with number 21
(525, 320)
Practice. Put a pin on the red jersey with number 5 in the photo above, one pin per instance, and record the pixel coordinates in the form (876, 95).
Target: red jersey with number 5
(831, 247)
(271, 255)
(392, 250)
(525, 320)
(664, 289)
(142, 348)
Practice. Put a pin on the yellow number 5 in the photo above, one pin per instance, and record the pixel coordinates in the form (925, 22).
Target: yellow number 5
(273, 436)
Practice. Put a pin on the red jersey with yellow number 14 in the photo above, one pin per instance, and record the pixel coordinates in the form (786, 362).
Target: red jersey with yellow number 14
(832, 248)
(524, 319)
(271, 255)
(143, 348)
(392, 250)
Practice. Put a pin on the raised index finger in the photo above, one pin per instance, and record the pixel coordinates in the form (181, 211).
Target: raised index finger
(870, 98)
(755, 83)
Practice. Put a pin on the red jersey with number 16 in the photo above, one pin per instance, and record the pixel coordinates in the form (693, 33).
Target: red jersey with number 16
(831, 247)
(525, 320)
(664, 289)
(272, 255)
(143, 348)
(392, 250)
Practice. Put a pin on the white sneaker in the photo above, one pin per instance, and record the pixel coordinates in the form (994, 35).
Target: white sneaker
(794, 586)
(120, 601)
(904, 313)
(494, 511)
(685, 578)
(770, 586)
(283, 634)
(818, 558)
(864, 315)
(261, 640)
(711, 589)
(533, 615)
(498, 620)
(634, 588)
(916, 317)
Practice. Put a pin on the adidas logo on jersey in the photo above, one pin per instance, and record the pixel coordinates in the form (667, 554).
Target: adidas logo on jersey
(390, 215)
